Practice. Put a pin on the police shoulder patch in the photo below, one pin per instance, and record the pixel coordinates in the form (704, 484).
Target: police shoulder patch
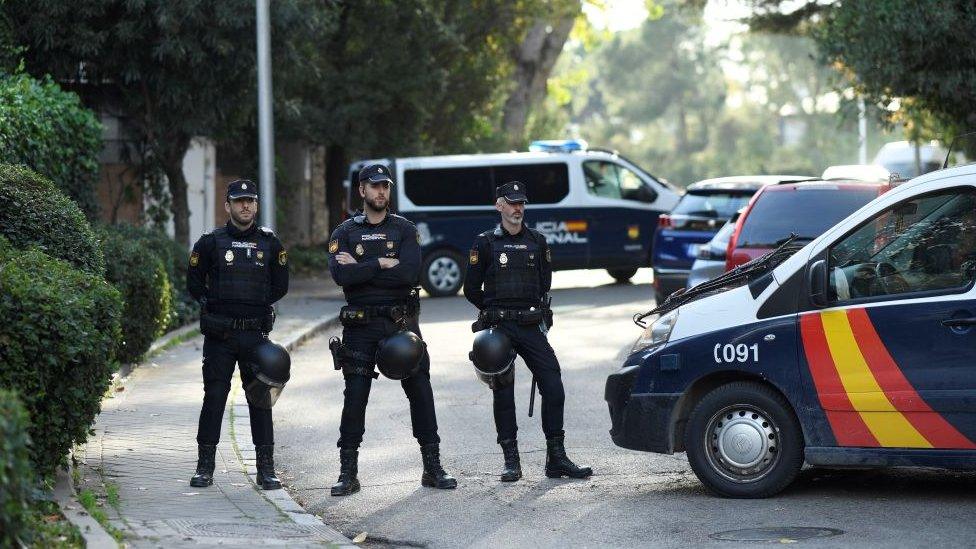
(194, 259)
(418, 237)
(473, 257)
(548, 255)
(282, 257)
(333, 246)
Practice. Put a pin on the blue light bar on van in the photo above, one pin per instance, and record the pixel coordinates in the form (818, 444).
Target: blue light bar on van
(558, 145)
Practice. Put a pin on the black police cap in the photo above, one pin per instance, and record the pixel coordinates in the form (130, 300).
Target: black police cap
(513, 192)
(242, 188)
(375, 173)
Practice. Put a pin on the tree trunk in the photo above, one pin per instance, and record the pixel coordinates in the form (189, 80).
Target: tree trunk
(172, 165)
(335, 195)
(534, 60)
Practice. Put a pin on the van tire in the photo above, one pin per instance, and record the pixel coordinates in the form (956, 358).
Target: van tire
(622, 275)
(760, 433)
(442, 273)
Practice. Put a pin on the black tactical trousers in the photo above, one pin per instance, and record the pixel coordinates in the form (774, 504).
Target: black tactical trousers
(365, 339)
(532, 345)
(219, 358)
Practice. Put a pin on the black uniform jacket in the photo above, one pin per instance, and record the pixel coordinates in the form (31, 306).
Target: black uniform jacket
(364, 282)
(208, 264)
(508, 270)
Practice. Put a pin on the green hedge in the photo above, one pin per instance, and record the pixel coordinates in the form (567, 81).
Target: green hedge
(137, 271)
(57, 347)
(15, 472)
(47, 129)
(175, 259)
(33, 212)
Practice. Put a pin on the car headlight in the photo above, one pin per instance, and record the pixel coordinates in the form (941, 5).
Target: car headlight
(658, 332)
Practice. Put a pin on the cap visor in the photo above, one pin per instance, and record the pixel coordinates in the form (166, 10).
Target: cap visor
(376, 179)
(241, 195)
(516, 199)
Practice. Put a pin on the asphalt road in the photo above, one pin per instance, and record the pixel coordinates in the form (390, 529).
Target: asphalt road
(633, 498)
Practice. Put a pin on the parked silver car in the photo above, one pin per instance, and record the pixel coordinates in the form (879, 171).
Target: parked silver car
(710, 261)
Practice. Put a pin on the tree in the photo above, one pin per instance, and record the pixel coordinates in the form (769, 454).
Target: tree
(916, 55)
(534, 58)
(172, 70)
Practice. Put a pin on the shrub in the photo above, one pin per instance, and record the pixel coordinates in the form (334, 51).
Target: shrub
(137, 271)
(175, 259)
(15, 471)
(36, 213)
(57, 347)
(309, 260)
(47, 129)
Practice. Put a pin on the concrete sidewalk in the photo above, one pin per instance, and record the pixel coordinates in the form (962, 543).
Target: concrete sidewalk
(144, 450)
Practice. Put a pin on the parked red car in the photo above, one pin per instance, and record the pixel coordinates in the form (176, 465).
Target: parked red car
(806, 209)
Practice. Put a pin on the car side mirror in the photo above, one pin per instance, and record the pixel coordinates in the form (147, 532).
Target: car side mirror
(646, 194)
(818, 283)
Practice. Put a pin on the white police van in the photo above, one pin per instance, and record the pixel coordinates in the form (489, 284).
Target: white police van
(597, 209)
(859, 349)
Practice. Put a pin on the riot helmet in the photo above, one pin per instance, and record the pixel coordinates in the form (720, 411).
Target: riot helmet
(492, 355)
(271, 366)
(399, 355)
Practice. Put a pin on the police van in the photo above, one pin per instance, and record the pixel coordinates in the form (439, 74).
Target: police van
(596, 209)
(858, 349)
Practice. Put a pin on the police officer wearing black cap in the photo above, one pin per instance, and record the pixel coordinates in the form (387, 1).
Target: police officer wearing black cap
(508, 279)
(375, 257)
(236, 273)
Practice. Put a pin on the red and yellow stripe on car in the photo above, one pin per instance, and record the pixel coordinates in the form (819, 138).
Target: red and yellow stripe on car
(866, 397)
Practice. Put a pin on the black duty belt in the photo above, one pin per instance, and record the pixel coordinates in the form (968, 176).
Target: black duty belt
(224, 323)
(361, 314)
(522, 316)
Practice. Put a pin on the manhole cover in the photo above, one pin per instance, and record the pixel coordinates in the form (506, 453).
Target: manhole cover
(791, 533)
(266, 530)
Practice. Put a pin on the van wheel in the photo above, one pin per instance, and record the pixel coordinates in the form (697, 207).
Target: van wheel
(442, 273)
(744, 441)
(622, 275)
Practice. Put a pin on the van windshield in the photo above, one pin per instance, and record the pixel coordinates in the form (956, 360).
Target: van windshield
(806, 213)
(716, 205)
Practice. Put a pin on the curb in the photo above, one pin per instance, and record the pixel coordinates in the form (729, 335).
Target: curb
(64, 492)
(282, 499)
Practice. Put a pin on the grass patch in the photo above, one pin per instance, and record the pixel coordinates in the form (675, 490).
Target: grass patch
(174, 342)
(90, 501)
(49, 528)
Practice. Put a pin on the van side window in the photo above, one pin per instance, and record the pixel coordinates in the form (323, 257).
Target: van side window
(450, 186)
(924, 244)
(545, 183)
(611, 180)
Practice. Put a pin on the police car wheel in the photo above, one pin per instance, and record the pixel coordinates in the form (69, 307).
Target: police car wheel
(442, 274)
(622, 275)
(744, 441)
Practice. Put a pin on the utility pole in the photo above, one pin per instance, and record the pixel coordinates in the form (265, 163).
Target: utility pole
(266, 181)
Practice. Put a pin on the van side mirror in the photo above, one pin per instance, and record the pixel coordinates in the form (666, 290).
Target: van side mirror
(818, 283)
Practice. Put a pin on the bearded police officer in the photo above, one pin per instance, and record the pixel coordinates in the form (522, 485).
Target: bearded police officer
(236, 273)
(375, 257)
(509, 276)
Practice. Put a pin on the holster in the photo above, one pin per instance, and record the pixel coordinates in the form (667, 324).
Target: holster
(350, 361)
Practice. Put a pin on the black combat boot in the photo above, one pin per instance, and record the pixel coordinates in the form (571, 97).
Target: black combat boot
(434, 475)
(348, 469)
(513, 466)
(558, 465)
(266, 472)
(205, 466)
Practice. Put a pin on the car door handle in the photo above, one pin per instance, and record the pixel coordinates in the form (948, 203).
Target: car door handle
(959, 322)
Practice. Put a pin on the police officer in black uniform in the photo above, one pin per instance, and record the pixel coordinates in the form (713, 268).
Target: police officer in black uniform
(508, 279)
(375, 257)
(236, 272)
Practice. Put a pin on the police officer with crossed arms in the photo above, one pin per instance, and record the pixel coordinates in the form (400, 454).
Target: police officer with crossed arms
(508, 279)
(375, 257)
(236, 273)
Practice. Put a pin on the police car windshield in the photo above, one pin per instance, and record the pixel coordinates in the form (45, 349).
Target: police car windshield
(718, 205)
(807, 213)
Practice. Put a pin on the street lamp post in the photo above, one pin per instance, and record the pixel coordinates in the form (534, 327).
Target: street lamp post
(265, 119)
